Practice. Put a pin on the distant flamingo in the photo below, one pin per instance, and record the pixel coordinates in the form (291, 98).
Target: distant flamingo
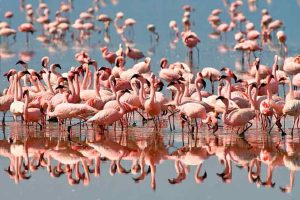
(134, 54)
(108, 56)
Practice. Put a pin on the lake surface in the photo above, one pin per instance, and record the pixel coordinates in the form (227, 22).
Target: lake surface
(158, 146)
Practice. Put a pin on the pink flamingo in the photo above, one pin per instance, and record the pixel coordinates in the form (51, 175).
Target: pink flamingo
(190, 40)
(108, 56)
(31, 114)
(109, 115)
(134, 53)
(27, 28)
(239, 118)
(17, 107)
(152, 106)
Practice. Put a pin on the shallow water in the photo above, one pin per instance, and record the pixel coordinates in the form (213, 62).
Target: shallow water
(216, 53)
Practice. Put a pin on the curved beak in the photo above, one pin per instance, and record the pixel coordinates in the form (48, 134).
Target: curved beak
(58, 66)
(21, 62)
(203, 83)
(222, 77)
(26, 72)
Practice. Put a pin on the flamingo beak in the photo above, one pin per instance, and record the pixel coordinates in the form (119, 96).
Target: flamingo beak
(222, 77)
(24, 93)
(203, 83)
(136, 76)
(26, 72)
(20, 62)
(220, 97)
(223, 69)
(8, 75)
(44, 64)
(58, 66)
(234, 77)
(161, 86)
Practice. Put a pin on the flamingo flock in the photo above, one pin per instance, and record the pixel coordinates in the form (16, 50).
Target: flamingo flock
(134, 90)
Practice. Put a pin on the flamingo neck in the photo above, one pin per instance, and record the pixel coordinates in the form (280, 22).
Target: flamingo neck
(71, 86)
(224, 113)
(228, 88)
(152, 92)
(77, 87)
(251, 99)
(291, 90)
(19, 89)
(274, 71)
(198, 90)
(257, 77)
(112, 86)
(186, 89)
(141, 92)
(11, 87)
(219, 90)
(96, 86)
(41, 86)
(177, 97)
(181, 91)
(95, 64)
(49, 113)
(90, 80)
(85, 78)
(134, 87)
(49, 84)
(269, 92)
(122, 109)
(15, 85)
(37, 88)
(26, 108)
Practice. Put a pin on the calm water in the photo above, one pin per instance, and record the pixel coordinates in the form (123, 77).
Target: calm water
(106, 186)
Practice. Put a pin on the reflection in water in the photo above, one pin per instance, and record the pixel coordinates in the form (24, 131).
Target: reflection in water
(29, 150)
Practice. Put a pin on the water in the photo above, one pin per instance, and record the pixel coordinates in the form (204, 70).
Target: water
(41, 184)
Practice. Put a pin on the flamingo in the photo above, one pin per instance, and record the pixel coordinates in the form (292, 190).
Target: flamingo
(31, 114)
(151, 105)
(109, 115)
(134, 53)
(17, 107)
(108, 56)
(240, 117)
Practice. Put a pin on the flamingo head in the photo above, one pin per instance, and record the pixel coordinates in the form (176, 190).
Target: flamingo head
(163, 63)
(10, 73)
(282, 80)
(223, 99)
(45, 61)
(262, 85)
(223, 77)
(253, 85)
(160, 85)
(36, 74)
(119, 60)
(56, 66)
(21, 62)
(60, 87)
(103, 49)
(257, 63)
(26, 92)
(22, 73)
